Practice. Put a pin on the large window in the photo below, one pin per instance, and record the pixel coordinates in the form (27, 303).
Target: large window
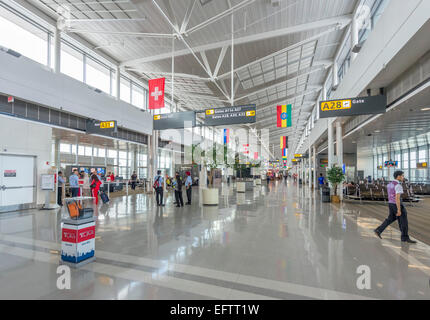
(137, 96)
(125, 90)
(97, 75)
(25, 38)
(72, 62)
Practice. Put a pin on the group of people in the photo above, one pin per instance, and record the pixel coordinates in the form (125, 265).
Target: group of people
(176, 183)
(90, 185)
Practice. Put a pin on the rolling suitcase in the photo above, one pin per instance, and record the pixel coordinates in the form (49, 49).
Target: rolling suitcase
(104, 197)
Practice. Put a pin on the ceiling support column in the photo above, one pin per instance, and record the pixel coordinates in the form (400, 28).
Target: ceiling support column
(339, 152)
(57, 50)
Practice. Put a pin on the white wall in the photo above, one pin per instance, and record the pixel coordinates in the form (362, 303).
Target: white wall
(27, 139)
(31, 81)
(365, 164)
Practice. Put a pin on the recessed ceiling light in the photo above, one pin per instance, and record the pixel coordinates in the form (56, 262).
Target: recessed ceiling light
(377, 131)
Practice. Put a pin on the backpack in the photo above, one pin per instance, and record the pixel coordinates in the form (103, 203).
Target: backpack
(157, 183)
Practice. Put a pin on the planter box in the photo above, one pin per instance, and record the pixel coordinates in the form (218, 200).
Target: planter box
(240, 186)
(210, 196)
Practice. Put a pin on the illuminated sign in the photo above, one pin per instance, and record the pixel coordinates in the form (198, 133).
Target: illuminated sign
(353, 106)
(174, 120)
(422, 165)
(298, 155)
(102, 127)
(230, 115)
(107, 124)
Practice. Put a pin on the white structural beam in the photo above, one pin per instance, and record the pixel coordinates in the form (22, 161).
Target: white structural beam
(300, 94)
(219, 16)
(339, 22)
(121, 33)
(206, 62)
(220, 60)
(177, 75)
(312, 70)
(187, 15)
(175, 28)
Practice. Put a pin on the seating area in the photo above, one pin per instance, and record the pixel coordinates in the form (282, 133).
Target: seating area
(377, 191)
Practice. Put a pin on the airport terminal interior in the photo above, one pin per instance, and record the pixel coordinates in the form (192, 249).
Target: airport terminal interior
(215, 149)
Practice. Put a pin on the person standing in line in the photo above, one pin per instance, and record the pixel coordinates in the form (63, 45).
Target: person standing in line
(74, 183)
(95, 187)
(397, 210)
(133, 180)
(188, 186)
(178, 191)
(61, 183)
(158, 186)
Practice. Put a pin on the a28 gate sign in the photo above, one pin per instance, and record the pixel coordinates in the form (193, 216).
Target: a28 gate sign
(353, 106)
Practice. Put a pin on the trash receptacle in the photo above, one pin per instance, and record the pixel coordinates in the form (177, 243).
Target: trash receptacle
(325, 194)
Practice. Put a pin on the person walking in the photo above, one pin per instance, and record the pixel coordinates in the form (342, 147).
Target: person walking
(188, 186)
(95, 187)
(133, 180)
(321, 181)
(158, 186)
(178, 191)
(74, 183)
(397, 210)
(61, 183)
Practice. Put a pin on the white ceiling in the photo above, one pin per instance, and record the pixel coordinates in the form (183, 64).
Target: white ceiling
(281, 54)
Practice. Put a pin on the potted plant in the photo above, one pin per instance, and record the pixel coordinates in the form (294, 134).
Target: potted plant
(335, 176)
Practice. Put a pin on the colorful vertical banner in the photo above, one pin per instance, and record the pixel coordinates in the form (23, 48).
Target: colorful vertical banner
(156, 93)
(226, 136)
(284, 142)
(255, 155)
(283, 116)
(284, 152)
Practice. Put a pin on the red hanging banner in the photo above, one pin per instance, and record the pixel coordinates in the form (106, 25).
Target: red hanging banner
(156, 93)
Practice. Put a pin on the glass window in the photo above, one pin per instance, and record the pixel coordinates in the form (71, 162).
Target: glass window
(405, 160)
(102, 152)
(88, 151)
(64, 148)
(137, 96)
(97, 75)
(125, 90)
(24, 38)
(81, 150)
(72, 62)
(413, 156)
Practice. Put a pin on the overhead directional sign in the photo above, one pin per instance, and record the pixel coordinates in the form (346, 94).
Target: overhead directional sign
(176, 120)
(353, 106)
(102, 127)
(230, 115)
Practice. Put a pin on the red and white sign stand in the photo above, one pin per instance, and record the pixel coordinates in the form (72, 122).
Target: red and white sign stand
(78, 241)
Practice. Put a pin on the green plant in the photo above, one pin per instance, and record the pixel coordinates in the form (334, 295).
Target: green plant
(335, 176)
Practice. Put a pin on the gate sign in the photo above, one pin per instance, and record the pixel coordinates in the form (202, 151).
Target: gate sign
(230, 115)
(102, 127)
(353, 106)
(176, 120)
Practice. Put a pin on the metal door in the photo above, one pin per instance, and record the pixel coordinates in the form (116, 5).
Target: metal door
(17, 181)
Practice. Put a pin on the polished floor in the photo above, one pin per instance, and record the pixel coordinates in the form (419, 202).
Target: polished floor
(275, 242)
